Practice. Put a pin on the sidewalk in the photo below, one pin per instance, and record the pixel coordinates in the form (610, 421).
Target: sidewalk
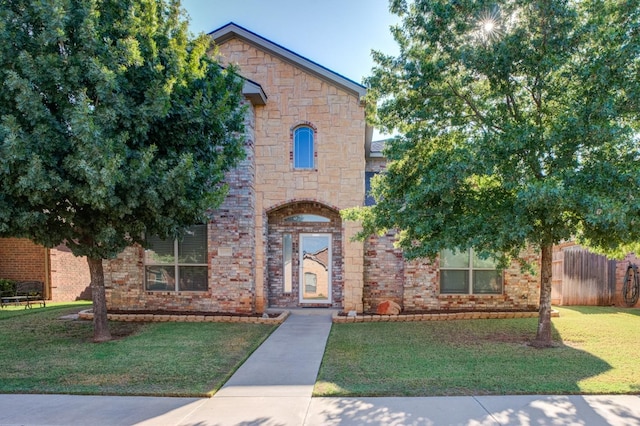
(273, 388)
(70, 410)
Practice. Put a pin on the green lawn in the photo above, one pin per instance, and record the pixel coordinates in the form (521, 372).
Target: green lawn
(598, 351)
(41, 353)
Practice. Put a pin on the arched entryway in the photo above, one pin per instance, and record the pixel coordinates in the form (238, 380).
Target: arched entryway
(304, 256)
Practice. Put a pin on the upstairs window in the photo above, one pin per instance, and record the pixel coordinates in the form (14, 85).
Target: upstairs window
(466, 273)
(368, 198)
(177, 265)
(303, 148)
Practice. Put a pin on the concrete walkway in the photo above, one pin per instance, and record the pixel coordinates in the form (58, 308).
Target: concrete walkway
(273, 388)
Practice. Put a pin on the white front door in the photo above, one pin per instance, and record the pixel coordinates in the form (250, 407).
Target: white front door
(315, 268)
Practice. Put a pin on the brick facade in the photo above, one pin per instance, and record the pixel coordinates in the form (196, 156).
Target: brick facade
(232, 235)
(22, 260)
(66, 277)
(70, 279)
(415, 285)
(277, 227)
(245, 235)
(383, 272)
(231, 252)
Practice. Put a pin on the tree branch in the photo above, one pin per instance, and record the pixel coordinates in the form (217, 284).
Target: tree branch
(475, 109)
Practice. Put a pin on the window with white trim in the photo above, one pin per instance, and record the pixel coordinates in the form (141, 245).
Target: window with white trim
(467, 273)
(177, 265)
(303, 148)
(287, 260)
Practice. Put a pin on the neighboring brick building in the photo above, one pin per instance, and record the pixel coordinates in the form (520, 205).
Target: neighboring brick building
(66, 277)
(278, 239)
(22, 260)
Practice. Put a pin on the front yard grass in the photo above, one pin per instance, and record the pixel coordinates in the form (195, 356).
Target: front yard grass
(42, 353)
(598, 351)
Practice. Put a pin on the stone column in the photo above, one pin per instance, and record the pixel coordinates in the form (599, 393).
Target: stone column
(353, 257)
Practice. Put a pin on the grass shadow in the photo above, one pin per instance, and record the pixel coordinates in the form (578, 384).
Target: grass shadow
(465, 357)
(159, 359)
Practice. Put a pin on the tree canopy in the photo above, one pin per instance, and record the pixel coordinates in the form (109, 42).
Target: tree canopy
(518, 126)
(114, 124)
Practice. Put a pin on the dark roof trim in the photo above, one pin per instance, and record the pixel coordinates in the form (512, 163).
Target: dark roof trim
(253, 91)
(232, 30)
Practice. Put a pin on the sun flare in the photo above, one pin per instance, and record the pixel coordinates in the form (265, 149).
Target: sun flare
(488, 26)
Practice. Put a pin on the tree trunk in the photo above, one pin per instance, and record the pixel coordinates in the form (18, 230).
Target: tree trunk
(543, 335)
(100, 326)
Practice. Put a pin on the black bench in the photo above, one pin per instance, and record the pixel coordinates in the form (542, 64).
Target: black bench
(25, 292)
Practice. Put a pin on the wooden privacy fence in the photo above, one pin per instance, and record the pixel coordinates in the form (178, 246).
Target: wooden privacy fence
(583, 278)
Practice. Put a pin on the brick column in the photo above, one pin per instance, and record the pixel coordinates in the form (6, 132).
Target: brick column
(232, 239)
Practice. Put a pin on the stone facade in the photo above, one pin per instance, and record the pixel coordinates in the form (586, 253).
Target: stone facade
(299, 97)
(245, 233)
(245, 236)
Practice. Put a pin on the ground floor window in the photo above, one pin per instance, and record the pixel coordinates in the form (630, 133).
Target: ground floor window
(287, 265)
(177, 265)
(464, 272)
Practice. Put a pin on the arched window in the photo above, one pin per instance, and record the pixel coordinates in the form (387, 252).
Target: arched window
(305, 217)
(303, 148)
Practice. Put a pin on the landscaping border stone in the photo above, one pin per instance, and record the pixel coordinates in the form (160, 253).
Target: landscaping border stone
(88, 315)
(343, 319)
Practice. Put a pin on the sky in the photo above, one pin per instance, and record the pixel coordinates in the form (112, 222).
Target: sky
(337, 34)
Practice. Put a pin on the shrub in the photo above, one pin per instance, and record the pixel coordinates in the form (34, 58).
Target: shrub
(7, 286)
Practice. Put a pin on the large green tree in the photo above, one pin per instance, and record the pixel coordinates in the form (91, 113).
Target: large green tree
(114, 124)
(518, 124)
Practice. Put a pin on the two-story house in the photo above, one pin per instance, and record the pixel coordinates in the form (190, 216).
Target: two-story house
(278, 240)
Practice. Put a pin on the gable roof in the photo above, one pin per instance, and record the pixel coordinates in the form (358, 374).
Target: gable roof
(232, 30)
